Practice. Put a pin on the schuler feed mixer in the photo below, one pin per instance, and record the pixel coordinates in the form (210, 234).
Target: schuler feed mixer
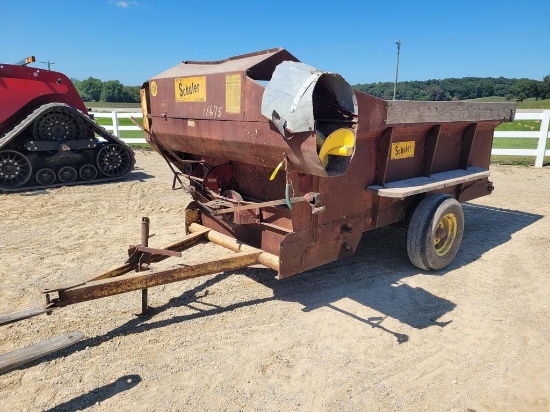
(300, 167)
(288, 166)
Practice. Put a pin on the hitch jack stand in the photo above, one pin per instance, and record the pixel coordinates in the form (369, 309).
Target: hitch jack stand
(145, 310)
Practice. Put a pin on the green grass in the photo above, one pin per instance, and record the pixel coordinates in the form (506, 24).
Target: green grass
(534, 104)
(107, 121)
(126, 134)
(518, 160)
(518, 143)
(530, 103)
(511, 143)
(520, 126)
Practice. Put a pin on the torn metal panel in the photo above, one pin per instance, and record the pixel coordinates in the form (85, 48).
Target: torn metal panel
(297, 93)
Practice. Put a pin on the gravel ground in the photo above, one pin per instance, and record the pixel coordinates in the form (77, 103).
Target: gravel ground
(369, 333)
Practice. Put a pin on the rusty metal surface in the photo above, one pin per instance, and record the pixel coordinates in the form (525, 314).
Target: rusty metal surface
(265, 258)
(154, 277)
(253, 63)
(134, 276)
(222, 124)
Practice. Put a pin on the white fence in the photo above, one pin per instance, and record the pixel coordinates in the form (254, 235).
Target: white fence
(115, 128)
(541, 134)
(538, 153)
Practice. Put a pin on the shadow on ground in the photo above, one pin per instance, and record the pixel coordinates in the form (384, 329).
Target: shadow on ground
(137, 175)
(97, 395)
(373, 277)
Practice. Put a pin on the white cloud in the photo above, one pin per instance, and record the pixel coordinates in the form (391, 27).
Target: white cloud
(123, 4)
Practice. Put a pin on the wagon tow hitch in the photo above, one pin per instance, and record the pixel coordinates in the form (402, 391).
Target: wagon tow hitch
(137, 273)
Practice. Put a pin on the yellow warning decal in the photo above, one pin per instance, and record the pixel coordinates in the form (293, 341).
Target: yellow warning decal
(190, 89)
(233, 93)
(402, 150)
(153, 88)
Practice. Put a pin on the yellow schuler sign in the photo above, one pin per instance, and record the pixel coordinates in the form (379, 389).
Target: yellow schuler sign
(190, 89)
(402, 150)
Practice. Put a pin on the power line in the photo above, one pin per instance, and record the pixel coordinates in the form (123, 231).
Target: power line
(48, 63)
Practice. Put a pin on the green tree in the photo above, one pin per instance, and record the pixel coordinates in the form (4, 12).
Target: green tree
(434, 92)
(90, 89)
(460, 89)
(130, 94)
(544, 88)
(112, 91)
(524, 88)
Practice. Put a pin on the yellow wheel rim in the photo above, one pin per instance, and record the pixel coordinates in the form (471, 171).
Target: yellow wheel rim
(445, 234)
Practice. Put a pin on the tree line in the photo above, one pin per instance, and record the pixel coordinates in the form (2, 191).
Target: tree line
(95, 90)
(113, 91)
(461, 89)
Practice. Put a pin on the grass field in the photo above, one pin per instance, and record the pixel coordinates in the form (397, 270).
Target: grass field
(526, 104)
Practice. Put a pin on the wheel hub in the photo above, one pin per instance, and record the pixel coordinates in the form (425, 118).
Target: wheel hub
(113, 160)
(9, 168)
(45, 176)
(67, 174)
(445, 234)
(59, 124)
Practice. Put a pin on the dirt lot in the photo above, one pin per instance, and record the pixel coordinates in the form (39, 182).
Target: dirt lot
(370, 333)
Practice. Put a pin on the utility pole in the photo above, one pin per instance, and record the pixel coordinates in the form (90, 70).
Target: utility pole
(398, 43)
(48, 63)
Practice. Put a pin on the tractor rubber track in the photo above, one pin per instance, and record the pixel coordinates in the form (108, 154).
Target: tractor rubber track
(89, 122)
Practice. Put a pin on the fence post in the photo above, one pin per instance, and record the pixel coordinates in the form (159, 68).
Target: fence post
(115, 124)
(541, 147)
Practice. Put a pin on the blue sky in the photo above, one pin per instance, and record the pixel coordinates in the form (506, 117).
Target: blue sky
(131, 41)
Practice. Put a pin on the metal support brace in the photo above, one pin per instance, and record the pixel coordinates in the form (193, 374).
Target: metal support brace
(145, 243)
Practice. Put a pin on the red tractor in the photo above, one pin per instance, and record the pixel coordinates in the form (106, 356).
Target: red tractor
(47, 138)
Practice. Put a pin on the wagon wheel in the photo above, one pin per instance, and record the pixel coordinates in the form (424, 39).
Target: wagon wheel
(15, 169)
(67, 174)
(434, 232)
(113, 160)
(45, 176)
(59, 124)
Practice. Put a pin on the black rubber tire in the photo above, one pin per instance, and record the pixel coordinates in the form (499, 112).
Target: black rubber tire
(15, 169)
(113, 160)
(428, 248)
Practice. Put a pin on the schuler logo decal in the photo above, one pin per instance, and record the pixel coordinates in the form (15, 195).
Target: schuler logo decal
(190, 89)
(402, 150)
